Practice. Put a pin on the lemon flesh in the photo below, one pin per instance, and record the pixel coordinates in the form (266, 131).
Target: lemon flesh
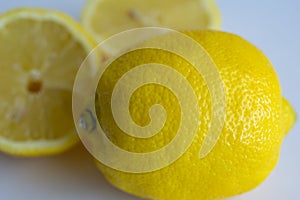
(40, 54)
(104, 18)
(257, 120)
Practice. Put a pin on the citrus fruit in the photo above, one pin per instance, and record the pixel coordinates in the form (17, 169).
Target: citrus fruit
(257, 120)
(40, 53)
(104, 18)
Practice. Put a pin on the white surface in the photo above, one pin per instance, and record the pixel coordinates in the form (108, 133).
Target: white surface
(273, 27)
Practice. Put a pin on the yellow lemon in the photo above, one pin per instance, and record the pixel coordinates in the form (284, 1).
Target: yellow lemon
(257, 120)
(104, 18)
(40, 53)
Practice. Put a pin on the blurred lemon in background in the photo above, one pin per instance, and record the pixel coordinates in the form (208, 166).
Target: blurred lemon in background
(104, 18)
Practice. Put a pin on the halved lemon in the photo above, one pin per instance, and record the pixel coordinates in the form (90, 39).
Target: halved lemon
(40, 54)
(103, 18)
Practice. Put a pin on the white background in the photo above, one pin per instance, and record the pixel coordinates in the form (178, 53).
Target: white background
(274, 26)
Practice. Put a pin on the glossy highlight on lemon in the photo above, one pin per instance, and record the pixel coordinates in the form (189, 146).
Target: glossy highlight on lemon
(40, 53)
(257, 120)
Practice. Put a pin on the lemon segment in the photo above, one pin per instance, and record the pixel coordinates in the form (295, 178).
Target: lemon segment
(104, 18)
(40, 53)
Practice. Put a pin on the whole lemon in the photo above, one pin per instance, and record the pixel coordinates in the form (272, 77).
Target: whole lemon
(257, 120)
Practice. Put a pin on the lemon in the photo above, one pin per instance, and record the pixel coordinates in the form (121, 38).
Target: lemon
(257, 120)
(40, 53)
(104, 18)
